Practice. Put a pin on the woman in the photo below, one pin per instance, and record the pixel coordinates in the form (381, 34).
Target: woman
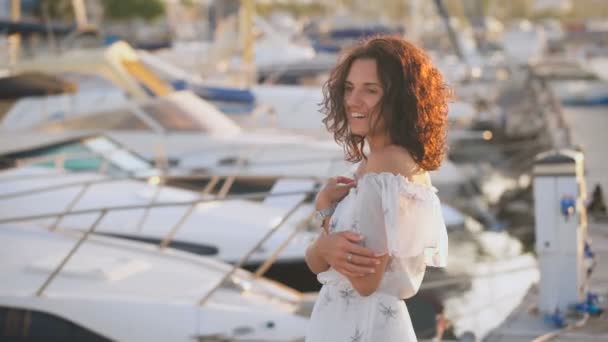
(384, 226)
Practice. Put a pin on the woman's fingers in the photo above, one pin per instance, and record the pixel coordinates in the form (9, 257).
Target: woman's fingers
(342, 190)
(352, 237)
(364, 261)
(339, 245)
(359, 269)
(363, 251)
(353, 268)
(360, 264)
(336, 188)
(353, 246)
(351, 274)
(344, 180)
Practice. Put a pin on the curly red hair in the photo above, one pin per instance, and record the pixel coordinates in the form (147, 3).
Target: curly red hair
(414, 105)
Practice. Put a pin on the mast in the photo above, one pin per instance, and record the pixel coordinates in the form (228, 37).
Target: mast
(475, 14)
(451, 33)
(14, 40)
(246, 14)
(80, 13)
(413, 31)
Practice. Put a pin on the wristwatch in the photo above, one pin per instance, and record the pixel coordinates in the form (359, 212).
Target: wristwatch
(322, 214)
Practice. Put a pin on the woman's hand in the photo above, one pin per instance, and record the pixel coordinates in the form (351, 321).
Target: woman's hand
(334, 191)
(336, 248)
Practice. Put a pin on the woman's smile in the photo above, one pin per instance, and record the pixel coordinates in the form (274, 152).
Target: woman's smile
(358, 116)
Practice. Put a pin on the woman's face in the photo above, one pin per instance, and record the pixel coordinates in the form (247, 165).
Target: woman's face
(362, 92)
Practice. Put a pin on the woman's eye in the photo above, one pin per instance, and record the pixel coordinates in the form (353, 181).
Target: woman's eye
(372, 91)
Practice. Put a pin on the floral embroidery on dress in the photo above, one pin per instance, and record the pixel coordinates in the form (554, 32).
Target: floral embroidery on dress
(390, 267)
(326, 299)
(347, 295)
(357, 336)
(402, 206)
(354, 227)
(386, 213)
(410, 195)
(388, 312)
(332, 225)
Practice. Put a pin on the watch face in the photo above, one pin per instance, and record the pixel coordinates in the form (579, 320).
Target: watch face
(323, 213)
(319, 216)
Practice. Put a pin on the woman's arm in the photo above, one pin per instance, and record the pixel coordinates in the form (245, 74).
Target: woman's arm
(333, 250)
(368, 284)
(316, 263)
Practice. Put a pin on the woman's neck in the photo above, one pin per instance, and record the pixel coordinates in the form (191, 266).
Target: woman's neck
(378, 142)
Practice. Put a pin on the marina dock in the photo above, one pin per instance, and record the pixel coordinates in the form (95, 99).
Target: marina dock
(588, 127)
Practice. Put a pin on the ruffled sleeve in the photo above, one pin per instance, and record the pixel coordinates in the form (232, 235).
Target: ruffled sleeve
(405, 220)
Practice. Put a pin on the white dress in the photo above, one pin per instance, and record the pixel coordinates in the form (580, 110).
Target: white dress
(397, 217)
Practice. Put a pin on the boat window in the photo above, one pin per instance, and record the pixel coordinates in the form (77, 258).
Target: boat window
(88, 155)
(76, 158)
(41, 326)
(119, 156)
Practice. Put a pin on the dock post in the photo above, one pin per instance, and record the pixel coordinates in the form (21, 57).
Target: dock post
(561, 229)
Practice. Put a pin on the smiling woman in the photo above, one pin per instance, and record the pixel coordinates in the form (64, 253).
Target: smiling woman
(399, 90)
(384, 227)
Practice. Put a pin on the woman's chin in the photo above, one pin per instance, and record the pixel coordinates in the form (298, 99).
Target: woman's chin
(358, 131)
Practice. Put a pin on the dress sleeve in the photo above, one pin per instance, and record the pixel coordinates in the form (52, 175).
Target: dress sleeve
(401, 218)
(404, 220)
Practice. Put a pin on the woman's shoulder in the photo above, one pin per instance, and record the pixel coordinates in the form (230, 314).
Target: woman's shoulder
(392, 159)
(396, 163)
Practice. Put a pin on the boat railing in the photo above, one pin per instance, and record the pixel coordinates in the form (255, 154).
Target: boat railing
(159, 183)
(166, 241)
(260, 271)
(158, 180)
(214, 179)
(70, 254)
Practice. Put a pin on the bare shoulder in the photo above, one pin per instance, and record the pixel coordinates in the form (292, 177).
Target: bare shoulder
(393, 159)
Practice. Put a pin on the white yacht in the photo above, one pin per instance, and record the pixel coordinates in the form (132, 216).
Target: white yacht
(574, 83)
(68, 286)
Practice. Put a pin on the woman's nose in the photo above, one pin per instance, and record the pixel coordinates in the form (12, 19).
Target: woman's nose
(353, 99)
